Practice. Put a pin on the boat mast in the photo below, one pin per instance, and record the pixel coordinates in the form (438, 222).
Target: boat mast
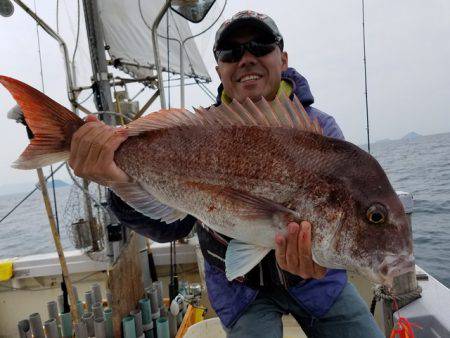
(365, 77)
(101, 87)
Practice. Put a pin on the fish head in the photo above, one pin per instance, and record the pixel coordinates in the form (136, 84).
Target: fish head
(382, 241)
(382, 238)
(373, 234)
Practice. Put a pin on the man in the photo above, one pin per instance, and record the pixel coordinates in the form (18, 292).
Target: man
(250, 63)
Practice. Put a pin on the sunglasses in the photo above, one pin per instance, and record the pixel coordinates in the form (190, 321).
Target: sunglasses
(235, 52)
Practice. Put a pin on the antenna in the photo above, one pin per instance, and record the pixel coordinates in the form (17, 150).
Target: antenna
(6, 8)
(365, 78)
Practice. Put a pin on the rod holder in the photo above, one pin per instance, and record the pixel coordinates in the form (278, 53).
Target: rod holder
(80, 307)
(51, 328)
(88, 320)
(172, 324)
(24, 328)
(36, 325)
(81, 330)
(97, 292)
(129, 329)
(89, 300)
(109, 298)
(162, 327)
(153, 295)
(146, 311)
(137, 314)
(97, 309)
(66, 325)
(75, 292)
(52, 310)
(159, 286)
(100, 328)
(109, 323)
(60, 300)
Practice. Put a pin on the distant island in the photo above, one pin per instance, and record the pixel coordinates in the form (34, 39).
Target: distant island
(58, 183)
(408, 137)
(411, 136)
(16, 188)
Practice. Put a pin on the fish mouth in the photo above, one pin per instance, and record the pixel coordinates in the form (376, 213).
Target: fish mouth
(394, 266)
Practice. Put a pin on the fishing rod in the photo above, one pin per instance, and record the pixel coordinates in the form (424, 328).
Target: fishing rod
(365, 76)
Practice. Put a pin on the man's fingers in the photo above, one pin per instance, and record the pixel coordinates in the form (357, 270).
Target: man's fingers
(92, 165)
(79, 147)
(292, 246)
(107, 153)
(91, 118)
(304, 249)
(319, 271)
(280, 251)
(77, 140)
(105, 161)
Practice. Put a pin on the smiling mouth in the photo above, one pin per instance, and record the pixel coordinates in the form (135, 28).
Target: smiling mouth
(249, 77)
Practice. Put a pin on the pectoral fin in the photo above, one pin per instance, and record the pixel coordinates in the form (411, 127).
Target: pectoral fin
(241, 257)
(137, 196)
(255, 206)
(247, 206)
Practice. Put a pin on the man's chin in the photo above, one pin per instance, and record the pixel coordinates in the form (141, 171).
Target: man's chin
(252, 95)
(255, 98)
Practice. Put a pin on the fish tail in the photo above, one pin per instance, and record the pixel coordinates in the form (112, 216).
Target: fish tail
(52, 126)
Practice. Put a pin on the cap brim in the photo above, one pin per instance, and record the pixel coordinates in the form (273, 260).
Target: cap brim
(237, 24)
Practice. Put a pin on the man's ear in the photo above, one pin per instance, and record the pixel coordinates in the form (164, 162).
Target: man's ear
(284, 61)
(218, 72)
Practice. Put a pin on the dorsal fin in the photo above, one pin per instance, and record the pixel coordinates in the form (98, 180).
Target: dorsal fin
(258, 114)
(281, 112)
(162, 119)
(245, 115)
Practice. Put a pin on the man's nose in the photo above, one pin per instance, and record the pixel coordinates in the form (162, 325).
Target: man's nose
(247, 59)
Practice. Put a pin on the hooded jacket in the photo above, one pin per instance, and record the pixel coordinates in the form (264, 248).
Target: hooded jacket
(230, 299)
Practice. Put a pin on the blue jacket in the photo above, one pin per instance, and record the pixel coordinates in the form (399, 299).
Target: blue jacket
(230, 299)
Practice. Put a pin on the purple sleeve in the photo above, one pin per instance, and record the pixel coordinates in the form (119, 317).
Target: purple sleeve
(327, 122)
(331, 129)
(145, 226)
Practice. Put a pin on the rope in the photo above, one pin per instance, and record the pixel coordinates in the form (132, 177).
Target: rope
(381, 292)
(87, 98)
(78, 32)
(39, 50)
(205, 90)
(57, 16)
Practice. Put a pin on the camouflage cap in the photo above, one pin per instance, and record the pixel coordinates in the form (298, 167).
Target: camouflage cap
(247, 18)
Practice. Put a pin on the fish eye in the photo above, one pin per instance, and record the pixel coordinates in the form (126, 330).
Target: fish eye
(376, 214)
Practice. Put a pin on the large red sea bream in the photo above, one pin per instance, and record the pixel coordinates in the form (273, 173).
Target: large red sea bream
(245, 170)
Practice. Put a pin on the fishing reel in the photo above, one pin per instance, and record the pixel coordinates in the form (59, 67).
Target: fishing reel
(16, 114)
(176, 304)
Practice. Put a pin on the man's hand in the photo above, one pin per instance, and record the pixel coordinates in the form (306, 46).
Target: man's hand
(92, 153)
(293, 252)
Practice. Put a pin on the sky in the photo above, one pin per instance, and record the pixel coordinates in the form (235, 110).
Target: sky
(407, 64)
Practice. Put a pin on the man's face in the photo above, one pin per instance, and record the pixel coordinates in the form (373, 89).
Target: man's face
(252, 76)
